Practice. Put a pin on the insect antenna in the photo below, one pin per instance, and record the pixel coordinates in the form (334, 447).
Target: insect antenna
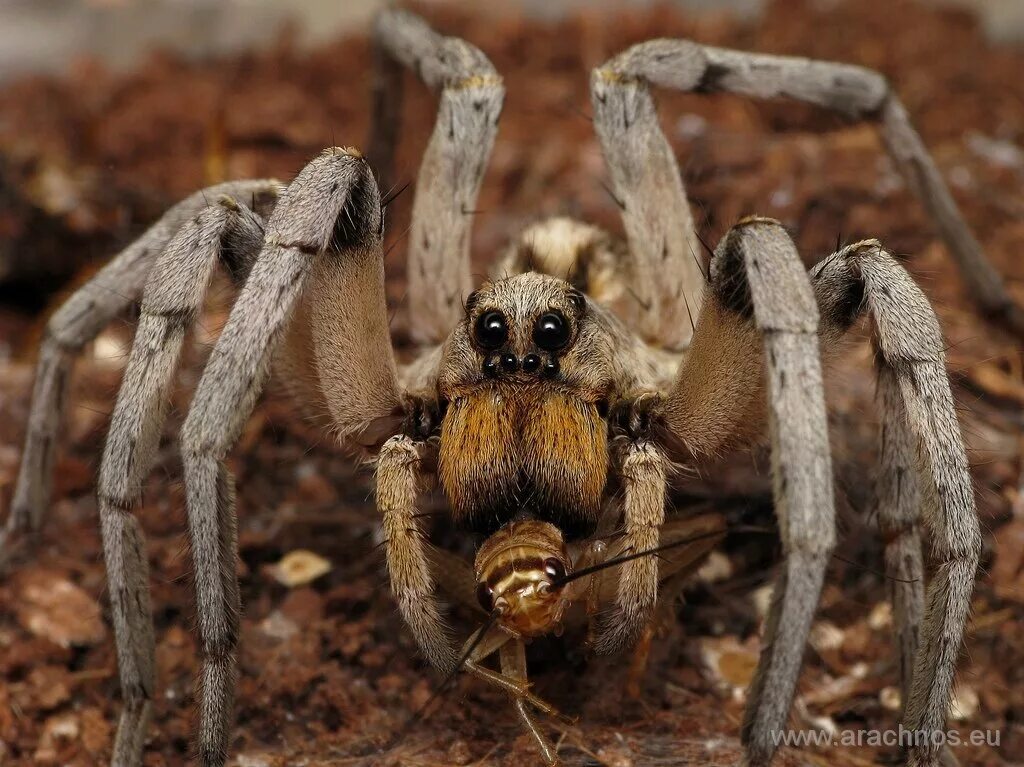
(694, 539)
(637, 555)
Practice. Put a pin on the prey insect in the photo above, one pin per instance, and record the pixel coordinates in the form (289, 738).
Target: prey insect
(530, 583)
(519, 392)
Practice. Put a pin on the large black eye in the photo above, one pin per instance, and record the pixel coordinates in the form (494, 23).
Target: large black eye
(484, 596)
(491, 330)
(551, 331)
(554, 569)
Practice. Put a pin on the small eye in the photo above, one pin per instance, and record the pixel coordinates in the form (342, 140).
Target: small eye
(485, 596)
(554, 569)
(551, 331)
(579, 301)
(491, 330)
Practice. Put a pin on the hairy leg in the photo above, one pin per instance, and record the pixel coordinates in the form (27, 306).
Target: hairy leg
(471, 97)
(327, 221)
(82, 317)
(172, 299)
(921, 430)
(398, 484)
(851, 90)
(759, 289)
(643, 469)
(666, 274)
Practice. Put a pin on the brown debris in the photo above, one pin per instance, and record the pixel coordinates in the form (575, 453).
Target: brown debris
(55, 609)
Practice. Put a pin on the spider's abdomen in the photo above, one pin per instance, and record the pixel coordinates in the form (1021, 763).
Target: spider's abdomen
(536, 451)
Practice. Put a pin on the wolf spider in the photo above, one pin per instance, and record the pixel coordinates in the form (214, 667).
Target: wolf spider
(523, 387)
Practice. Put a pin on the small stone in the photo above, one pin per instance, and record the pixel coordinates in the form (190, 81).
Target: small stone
(717, 567)
(762, 599)
(459, 753)
(964, 704)
(881, 616)
(614, 757)
(299, 567)
(890, 698)
(278, 626)
(57, 731)
(826, 635)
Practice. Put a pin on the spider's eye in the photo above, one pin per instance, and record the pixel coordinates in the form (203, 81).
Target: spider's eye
(554, 569)
(491, 330)
(551, 331)
(485, 596)
(579, 302)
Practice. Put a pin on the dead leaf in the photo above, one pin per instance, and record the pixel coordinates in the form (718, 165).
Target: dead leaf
(995, 381)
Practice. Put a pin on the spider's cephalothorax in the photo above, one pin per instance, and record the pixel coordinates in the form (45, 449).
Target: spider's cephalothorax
(526, 377)
(546, 398)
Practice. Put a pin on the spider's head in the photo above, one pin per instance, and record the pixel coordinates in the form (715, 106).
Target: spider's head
(528, 329)
(517, 570)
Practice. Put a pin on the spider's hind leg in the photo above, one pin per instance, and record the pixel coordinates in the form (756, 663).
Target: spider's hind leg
(922, 478)
(78, 322)
(173, 297)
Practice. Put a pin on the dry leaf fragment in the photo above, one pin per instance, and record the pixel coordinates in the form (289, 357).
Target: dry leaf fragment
(57, 731)
(995, 381)
(54, 608)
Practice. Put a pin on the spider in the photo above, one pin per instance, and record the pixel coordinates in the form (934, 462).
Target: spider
(524, 388)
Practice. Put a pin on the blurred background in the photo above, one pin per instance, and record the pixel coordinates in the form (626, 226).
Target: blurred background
(45, 35)
(111, 110)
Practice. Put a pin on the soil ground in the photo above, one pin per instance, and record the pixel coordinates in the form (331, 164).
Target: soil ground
(329, 674)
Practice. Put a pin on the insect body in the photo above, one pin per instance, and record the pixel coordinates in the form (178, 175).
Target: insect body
(530, 583)
(519, 572)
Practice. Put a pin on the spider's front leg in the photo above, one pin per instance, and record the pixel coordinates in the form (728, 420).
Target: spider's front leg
(320, 278)
(717, 401)
(642, 468)
(758, 330)
(471, 94)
